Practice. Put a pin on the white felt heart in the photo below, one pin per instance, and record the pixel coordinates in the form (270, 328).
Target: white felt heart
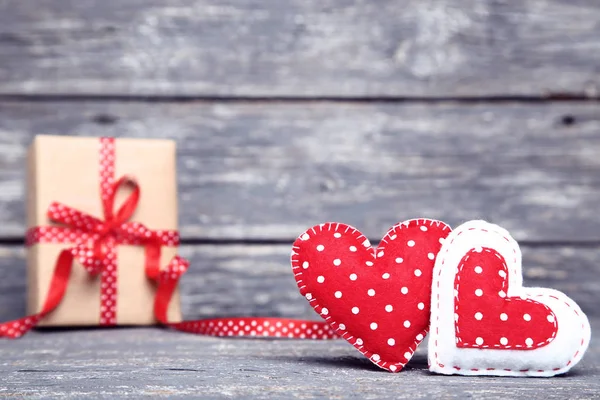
(484, 322)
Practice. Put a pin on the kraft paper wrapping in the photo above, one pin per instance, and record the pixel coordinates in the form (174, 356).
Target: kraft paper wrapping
(66, 170)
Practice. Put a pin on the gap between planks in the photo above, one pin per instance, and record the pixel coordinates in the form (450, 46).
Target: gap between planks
(547, 98)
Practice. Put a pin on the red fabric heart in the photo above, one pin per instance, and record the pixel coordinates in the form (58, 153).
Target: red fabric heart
(486, 318)
(376, 299)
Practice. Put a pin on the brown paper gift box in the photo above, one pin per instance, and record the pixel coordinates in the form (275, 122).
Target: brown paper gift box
(66, 170)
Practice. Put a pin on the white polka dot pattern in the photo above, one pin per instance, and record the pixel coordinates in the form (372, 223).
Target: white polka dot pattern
(376, 299)
(265, 327)
(16, 329)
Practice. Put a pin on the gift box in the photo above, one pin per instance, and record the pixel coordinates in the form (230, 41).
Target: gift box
(75, 188)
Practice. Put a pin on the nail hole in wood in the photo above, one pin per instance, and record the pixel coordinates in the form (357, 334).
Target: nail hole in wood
(105, 119)
(568, 120)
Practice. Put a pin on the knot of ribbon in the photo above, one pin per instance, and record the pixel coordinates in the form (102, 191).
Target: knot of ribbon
(96, 237)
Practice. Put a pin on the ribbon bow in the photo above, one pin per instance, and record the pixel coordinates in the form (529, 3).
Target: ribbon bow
(96, 238)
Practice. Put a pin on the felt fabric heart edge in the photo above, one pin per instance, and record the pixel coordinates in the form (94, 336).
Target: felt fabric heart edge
(297, 270)
(446, 358)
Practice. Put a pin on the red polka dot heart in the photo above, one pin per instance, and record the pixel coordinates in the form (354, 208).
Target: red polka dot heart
(376, 299)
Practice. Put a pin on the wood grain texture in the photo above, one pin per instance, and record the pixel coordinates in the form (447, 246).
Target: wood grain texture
(242, 280)
(138, 363)
(300, 48)
(269, 170)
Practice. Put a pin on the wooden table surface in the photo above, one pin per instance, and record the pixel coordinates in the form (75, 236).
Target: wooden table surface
(291, 113)
(137, 363)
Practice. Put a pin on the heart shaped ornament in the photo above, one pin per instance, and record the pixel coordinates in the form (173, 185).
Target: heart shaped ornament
(377, 299)
(484, 322)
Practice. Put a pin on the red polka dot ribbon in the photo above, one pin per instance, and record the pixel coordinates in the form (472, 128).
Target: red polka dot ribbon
(94, 246)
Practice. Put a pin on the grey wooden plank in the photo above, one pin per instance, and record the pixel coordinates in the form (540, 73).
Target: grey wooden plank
(268, 170)
(137, 363)
(344, 48)
(255, 280)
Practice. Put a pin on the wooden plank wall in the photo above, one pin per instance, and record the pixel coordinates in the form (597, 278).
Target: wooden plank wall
(293, 113)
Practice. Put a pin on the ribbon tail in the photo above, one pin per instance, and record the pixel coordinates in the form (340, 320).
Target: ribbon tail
(272, 327)
(58, 286)
(153, 260)
(246, 326)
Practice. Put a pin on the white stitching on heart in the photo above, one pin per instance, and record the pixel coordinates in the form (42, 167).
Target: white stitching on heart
(391, 234)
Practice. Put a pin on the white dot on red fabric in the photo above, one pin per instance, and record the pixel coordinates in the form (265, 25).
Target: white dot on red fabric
(502, 273)
(385, 276)
(419, 336)
(399, 260)
(478, 316)
(308, 296)
(431, 256)
(338, 295)
(320, 279)
(411, 243)
(404, 290)
(389, 308)
(478, 269)
(393, 368)
(418, 272)
(324, 311)
(407, 324)
(380, 254)
(305, 264)
(529, 342)
(423, 228)
(353, 249)
(371, 292)
(376, 357)
(550, 318)
(391, 342)
(420, 306)
(393, 237)
(503, 341)
(366, 243)
(355, 310)
(337, 262)
(369, 263)
(359, 341)
(527, 317)
(479, 341)
(502, 294)
(503, 317)
(373, 326)
(320, 247)
(353, 277)
(342, 327)
(478, 292)
(337, 235)
(407, 355)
